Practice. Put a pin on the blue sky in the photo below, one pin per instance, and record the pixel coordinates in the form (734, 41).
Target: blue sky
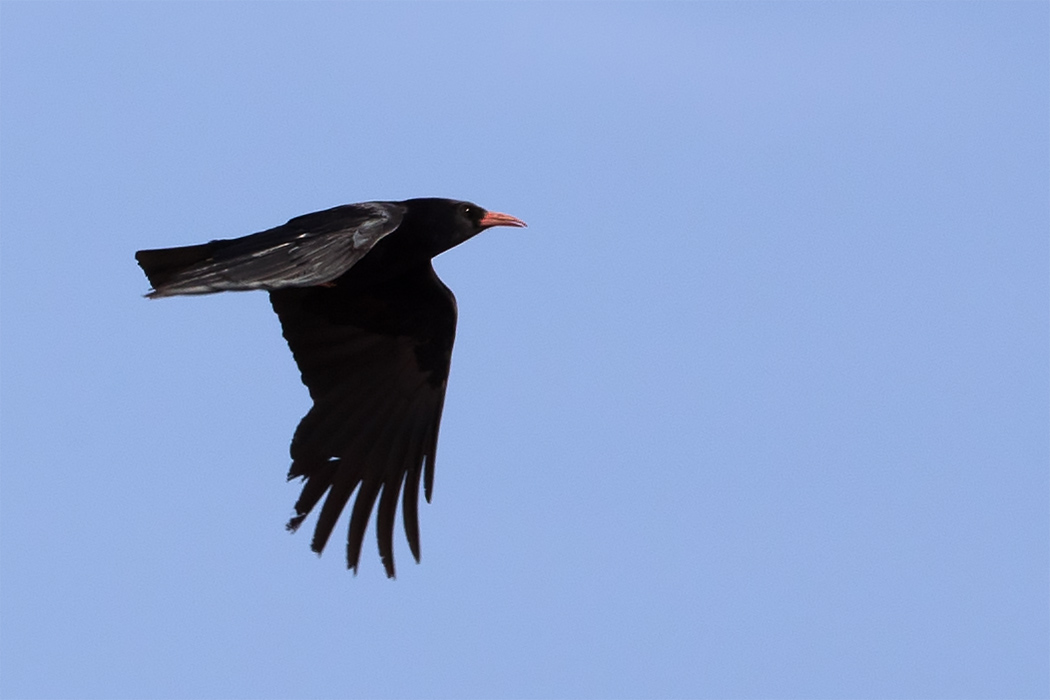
(757, 407)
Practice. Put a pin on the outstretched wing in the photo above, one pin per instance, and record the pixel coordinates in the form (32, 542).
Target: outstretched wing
(376, 362)
(311, 249)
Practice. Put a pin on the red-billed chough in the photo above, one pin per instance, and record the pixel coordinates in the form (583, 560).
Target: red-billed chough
(371, 327)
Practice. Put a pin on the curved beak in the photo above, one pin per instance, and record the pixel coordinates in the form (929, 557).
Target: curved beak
(494, 218)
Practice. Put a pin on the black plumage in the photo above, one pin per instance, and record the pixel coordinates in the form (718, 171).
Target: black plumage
(371, 328)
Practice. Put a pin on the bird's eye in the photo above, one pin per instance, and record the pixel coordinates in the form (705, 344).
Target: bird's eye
(467, 210)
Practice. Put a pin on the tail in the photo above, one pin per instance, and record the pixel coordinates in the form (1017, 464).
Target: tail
(164, 265)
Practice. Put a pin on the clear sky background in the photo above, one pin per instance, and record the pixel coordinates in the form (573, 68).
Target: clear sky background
(757, 407)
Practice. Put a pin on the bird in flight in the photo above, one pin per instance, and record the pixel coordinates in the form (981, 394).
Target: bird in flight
(371, 327)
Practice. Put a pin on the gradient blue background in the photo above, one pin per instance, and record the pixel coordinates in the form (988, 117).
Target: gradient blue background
(757, 407)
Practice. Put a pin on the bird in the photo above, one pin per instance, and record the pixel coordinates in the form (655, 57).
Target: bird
(371, 328)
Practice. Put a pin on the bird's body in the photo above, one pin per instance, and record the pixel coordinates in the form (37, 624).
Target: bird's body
(371, 328)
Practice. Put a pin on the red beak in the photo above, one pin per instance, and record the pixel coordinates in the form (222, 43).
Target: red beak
(494, 218)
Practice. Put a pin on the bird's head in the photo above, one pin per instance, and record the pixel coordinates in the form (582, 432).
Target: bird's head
(449, 222)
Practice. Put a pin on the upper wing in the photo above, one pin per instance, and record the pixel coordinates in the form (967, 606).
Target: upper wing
(311, 249)
(376, 362)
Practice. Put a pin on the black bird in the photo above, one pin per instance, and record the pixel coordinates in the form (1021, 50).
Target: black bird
(371, 327)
